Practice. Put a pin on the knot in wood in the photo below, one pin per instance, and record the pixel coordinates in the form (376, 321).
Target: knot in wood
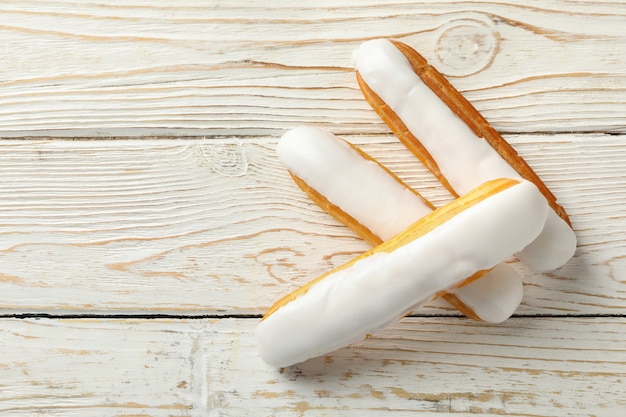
(466, 46)
(226, 157)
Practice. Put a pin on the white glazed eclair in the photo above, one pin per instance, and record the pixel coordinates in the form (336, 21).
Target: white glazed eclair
(451, 137)
(361, 193)
(473, 233)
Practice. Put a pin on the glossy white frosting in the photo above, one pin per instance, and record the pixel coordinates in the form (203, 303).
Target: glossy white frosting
(463, 158)
(366, 192)
(355, 301)
(361, 188)
(495, 296)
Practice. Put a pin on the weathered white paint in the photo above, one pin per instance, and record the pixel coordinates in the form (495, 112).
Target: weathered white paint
(216, 226)
(526, 366)
(213, 68)
(211, 226)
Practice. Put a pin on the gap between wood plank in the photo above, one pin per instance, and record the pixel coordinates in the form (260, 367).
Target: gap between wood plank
(258, 316)
(195, 137)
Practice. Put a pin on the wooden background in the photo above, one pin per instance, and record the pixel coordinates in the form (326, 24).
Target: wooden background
(145, 222)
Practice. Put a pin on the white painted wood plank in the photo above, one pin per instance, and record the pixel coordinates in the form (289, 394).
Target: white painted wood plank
(222, 68)
(526, 367)
(212, 227)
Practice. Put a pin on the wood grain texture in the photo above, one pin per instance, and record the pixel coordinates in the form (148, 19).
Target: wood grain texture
(173, 201)
(248, 68)
(525, 367)
(218, 227)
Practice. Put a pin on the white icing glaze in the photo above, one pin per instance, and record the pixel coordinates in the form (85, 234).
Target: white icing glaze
(378, 289)
(556, 240)
(495, 295)
(463, 158)
(361, 188)
(366, 192)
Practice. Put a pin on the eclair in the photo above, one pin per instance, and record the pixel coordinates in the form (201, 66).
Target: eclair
(451, 138)
(377, 205)
(437, 253)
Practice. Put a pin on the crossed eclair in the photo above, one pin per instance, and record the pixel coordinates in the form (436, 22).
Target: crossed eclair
(498, 214)
(451, 138)
(378, 206)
